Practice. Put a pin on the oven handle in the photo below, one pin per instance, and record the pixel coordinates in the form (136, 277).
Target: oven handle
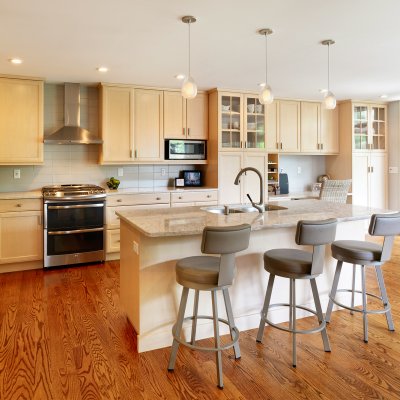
(75, 231)
(76, 206)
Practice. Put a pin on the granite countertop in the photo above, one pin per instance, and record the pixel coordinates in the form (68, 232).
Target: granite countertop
(111, 192)
(295, 195)
(185, 221)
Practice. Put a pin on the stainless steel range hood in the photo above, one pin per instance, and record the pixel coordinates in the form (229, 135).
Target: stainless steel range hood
(72, 133)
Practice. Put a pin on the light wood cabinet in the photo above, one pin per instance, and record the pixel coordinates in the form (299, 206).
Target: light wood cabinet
(21, 232)
(21, 121)
(229, 165)
(194, 198)
(329, 137)
(185, 119)
(131, 125)
(272, 133)
(310, 127)
(289, 126)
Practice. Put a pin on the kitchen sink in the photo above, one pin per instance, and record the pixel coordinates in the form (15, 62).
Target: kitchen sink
(241, 209)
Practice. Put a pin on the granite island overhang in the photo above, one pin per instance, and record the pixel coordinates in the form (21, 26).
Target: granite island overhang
(153, 240)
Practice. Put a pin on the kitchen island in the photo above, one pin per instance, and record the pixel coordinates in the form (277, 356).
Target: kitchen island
(153, 240)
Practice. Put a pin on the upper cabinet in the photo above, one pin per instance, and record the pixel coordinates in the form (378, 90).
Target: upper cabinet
(289, 126)
(241, 121)
(369, 127)
(185, 119)
(21, 121)
(131, 124)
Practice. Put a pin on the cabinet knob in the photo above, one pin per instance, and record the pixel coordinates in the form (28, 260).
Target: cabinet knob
(158, 198)
(119, 200)
(19, 205)
(208, 196)
(188, 130)
(180, 197)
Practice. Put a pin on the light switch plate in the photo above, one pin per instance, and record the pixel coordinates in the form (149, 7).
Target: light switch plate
(120, 172)
(393, 170)
(17, 174)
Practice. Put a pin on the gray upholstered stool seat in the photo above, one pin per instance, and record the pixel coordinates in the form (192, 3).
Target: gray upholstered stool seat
(366, 254)
(299, 264)
(289, 263)
(210, 273)
(198, 272)
(348, 250)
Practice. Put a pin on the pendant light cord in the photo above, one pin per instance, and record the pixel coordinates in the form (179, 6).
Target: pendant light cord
(189, 49)
(328, 68)
(266, 59)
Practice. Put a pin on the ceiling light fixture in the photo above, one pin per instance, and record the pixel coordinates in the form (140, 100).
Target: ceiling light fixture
(384, 96)
(189, 87)
(329, 99)
(180, 77)
(102, 69)
(266, 96)
(15, 61)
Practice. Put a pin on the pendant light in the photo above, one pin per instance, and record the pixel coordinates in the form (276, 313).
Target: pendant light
(266, 96)
(189, 87)
(329, 100)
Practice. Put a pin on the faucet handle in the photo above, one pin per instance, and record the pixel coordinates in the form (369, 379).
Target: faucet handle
(249, 197)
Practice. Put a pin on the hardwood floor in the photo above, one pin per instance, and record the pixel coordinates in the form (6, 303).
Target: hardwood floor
(63, 336)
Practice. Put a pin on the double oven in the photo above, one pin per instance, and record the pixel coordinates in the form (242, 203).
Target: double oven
(74, 224)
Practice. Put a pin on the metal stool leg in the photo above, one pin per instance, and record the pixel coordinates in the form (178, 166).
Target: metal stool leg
(353, 288)
(293, 327)
(385, 300)
(217, 339)
(229, 314)
(195, 312)
(178, 329)
(333, 290)
(364, 303)
(264, 310)
(320, 316)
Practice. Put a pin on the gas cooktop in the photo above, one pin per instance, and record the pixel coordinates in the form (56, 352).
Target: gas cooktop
(69, 191)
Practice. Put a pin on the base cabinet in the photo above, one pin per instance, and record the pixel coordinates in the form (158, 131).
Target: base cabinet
(21, 232)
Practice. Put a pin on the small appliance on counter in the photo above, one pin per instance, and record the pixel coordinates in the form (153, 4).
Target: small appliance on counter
(283, 184)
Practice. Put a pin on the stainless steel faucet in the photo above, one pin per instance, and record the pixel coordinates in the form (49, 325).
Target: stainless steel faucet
(260, 206)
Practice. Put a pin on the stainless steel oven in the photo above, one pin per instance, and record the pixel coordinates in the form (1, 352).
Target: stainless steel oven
(74, 224)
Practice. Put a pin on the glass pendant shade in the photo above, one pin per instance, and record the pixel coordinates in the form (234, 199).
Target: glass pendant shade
(330, 101)
(266, 96)
(189, 88)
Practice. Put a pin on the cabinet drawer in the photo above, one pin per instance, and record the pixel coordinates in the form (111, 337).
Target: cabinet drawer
(139, 198)
(20, 205)
(188, 197)
(112, 240)
(112, 219)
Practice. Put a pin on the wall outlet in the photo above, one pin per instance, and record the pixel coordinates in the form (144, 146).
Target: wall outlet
(298, 170)
(136, 247)
(393, 170)
(120, 172)
(17, 174)
(163, 171)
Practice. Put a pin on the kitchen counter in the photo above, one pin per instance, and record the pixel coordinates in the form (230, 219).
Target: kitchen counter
(153, 240)
(111, 192)
(32, 194)
(293, 196)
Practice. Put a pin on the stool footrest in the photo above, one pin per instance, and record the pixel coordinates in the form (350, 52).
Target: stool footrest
(318, 328)
(384, 310)
(235, 334)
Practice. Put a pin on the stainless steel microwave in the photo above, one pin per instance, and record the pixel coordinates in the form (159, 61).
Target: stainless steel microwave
(176, 149)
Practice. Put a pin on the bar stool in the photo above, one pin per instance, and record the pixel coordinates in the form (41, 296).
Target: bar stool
(299, 264)
(366, 253)
(210, 273)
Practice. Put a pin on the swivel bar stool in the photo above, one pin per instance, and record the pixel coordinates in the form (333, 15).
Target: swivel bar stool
(299, 264)
(210, 273)
(366, 253)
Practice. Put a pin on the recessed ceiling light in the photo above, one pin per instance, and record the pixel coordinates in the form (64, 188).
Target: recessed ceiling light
(384, 96)
(180, 77)
(102, 69)
(323, 90)
(262, 84)
(15, 61)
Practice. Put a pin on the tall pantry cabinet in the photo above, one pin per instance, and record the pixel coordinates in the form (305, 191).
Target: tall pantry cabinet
(363, 155)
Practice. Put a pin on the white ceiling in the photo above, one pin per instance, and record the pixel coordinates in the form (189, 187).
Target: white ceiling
(144, 42)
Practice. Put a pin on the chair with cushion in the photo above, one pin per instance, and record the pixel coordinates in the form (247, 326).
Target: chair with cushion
(299, 264)
(366, 253)
(210, 273)
(335, 190)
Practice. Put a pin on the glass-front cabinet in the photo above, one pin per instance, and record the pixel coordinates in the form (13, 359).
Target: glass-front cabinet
(369, 127)
(242, 122)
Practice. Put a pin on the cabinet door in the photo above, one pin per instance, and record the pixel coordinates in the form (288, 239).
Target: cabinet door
(329, 130)
(117, 124)
(230, 121)
(197, 117)
(251, 181)
(273, 144)
(378, 128)
(360, 180)
(174, 119)
(21, 237)
(289, 126)
(148, 126)
(378, 180)
(254, 124)
(361, 140)
(21, 121)
(228, 167)
(310, 127)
